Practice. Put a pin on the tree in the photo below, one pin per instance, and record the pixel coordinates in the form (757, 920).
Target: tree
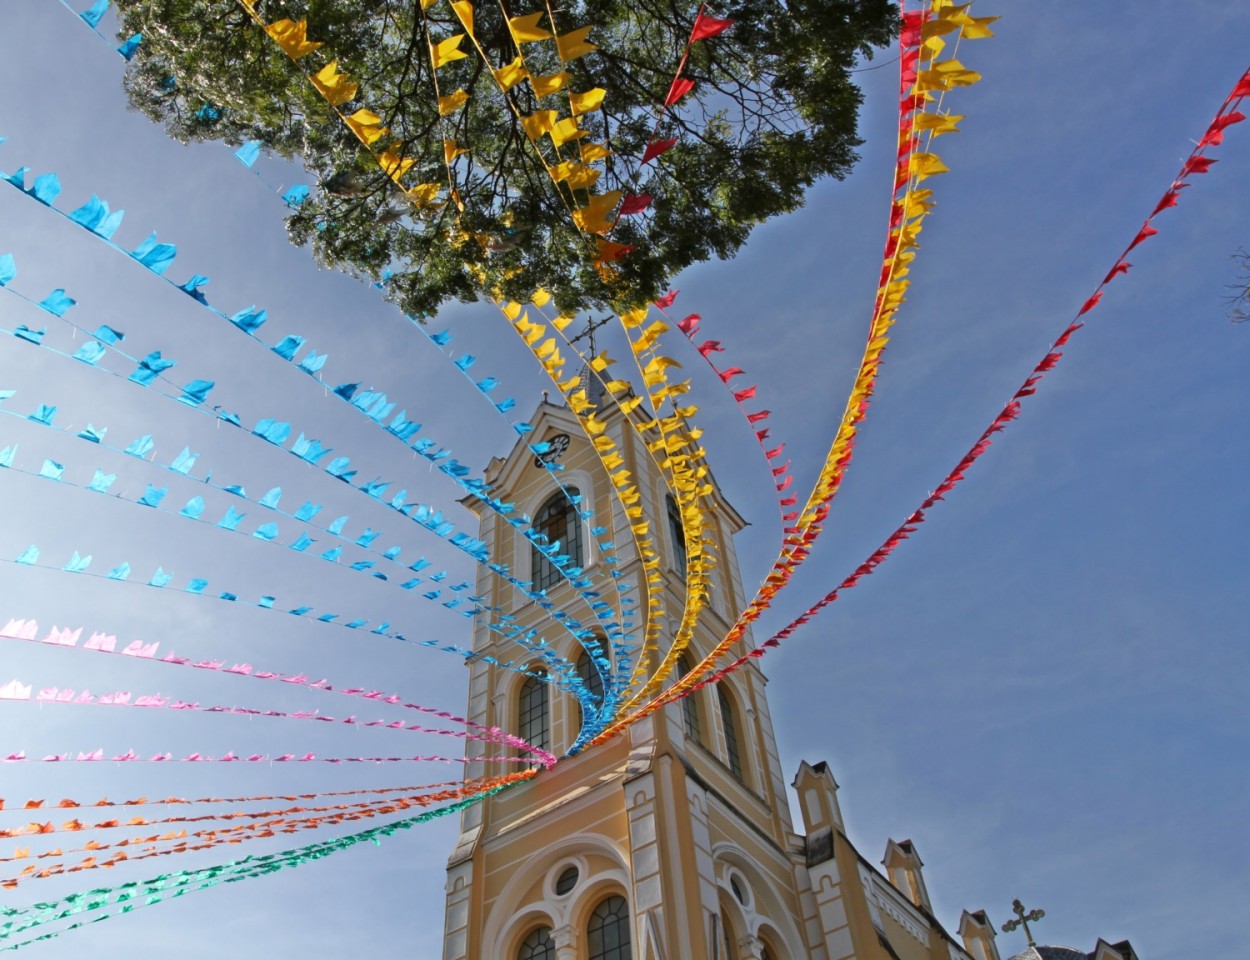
(773, 109)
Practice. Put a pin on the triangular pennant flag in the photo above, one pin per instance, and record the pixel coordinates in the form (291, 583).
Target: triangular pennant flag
(334, 86)
(464, 11)
(547, 85)
(705, 26)
(679, 88)
(586, 102)
(446, 51)
(571, 45)
(657, 147)
(292, 37)
(635, 204)
(526, 30)
(509, 75)
(452, 102)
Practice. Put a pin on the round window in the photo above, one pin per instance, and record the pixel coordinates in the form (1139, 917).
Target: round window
(566, 881)
(736, 887)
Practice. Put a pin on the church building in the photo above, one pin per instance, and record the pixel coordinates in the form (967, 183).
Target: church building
(672, 841)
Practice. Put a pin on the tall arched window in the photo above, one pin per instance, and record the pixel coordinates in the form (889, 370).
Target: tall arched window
(607, 932)
(676, 533)
(532, 718)
(589, 671)
(559, 522)
(689, 705)
(729, 720)
(537, 946)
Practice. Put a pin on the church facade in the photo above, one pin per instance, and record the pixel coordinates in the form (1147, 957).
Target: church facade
(673, 841)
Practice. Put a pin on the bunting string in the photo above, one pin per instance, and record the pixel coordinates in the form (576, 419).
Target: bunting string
(97, 220)
(273, 823)
(28, 631)
(105, 803)
(198, 586)
(1195, 164)
(128, 897)
(920, 74)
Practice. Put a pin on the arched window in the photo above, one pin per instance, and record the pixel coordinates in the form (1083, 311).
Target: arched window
(537, 946)
(729, 721)
(607, 933)
(689, 705)
(532, 721)
(727, 950)
(559, 521)
(589, 671)
(676, 533)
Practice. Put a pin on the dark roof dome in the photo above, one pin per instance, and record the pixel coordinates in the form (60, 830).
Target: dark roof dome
(1051, 953)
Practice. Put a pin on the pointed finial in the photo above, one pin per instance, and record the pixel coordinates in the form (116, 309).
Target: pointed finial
(1023, 920)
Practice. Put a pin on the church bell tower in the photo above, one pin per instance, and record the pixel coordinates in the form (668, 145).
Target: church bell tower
(672, 841)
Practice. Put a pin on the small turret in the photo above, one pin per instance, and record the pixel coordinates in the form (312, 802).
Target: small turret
(977, 933)
(903, 866)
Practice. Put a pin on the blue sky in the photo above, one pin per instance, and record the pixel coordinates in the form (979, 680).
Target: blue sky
(1044, 689)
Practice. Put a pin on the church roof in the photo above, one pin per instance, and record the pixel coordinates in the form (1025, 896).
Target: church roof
(1051, 953)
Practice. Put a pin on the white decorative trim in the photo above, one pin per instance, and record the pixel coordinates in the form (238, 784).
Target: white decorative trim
(881, 893)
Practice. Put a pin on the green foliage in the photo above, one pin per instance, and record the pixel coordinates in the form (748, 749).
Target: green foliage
(774, 109)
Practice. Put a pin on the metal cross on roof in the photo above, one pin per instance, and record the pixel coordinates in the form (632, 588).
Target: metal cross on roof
(589, 333)
(1023, 919)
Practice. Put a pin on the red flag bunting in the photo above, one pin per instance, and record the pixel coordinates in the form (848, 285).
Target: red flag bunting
(1145, 232)
(636, 204)
(666, 301)
(1119, 268)
(681, 86)
(1215, 133)
(1197, 165)
(1090, 303)
(705, 26)
(1169, 199)
(710, 346)
(657, 147)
